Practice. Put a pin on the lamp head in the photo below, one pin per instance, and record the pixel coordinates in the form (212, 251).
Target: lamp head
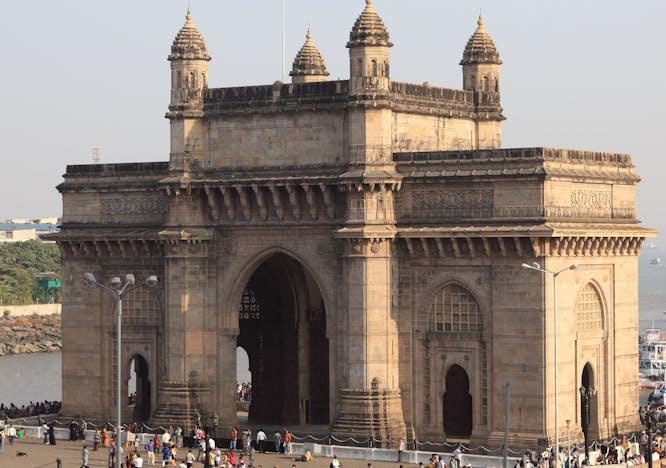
(116, 283)
(151, 281)
(573, 267)
(89, 279)
(129, 279)
(526, 266)
(536, 265)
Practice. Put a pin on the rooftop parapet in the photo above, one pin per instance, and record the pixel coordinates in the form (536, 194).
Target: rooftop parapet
(220, 99)
(114, 169)
(426, 91)
(517, 154)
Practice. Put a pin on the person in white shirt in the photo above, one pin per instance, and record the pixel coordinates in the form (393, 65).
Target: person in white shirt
(261, 438)
(138, 462)
(45, 430)
(11, 434)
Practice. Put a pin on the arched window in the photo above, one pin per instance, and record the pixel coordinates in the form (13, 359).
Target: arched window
(249, 307)
(589, 309)
(374, 71)
(179, 80)
(454, 309)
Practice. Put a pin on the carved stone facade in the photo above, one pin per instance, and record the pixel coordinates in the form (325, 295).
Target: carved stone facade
(381, 230)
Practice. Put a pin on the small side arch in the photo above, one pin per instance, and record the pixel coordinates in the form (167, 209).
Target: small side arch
(457, 403)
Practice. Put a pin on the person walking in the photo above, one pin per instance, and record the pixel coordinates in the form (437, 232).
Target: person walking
(45, 430)
(189, 459)
(150, 450)
(234, 438)
(287, 442)
(52, 440)
(85, 457)
(11, 434)
(277, 438)
(261, 441)
(166, 455)
(97, 439)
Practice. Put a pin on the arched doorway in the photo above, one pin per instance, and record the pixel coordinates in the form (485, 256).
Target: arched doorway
(457, 403)
(283, 329)
(138, 389)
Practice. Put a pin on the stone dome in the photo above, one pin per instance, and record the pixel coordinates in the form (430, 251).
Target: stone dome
(369, 29)
(309, 61)
(480, 47)
(189, 44)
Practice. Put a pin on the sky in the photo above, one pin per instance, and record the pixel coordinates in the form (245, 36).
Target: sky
(586, 74)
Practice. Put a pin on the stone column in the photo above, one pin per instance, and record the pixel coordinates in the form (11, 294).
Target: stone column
(226, 380)
(370, 405)
(190, 340)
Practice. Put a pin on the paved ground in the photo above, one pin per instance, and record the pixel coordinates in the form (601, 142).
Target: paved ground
(43, 456)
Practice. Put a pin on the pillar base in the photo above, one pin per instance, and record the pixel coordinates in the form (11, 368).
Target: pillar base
(180, 404)
(370, 413)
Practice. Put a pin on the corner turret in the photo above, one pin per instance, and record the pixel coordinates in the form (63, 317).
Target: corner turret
(481, 62)
(369, 54)
(189, 79)
(309, 64)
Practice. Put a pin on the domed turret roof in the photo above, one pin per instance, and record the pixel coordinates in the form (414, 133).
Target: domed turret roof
(369, 29)
(480, 47)
(189, 44)
(309, 61)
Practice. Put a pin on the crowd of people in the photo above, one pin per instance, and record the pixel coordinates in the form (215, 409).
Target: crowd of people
(244, 392)
(31, 409)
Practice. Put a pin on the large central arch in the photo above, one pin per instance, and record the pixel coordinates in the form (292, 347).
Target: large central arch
(282, 326)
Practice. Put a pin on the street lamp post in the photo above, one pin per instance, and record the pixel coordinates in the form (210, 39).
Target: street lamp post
(554, 274)
(585, 397)
(649, 419)
(118, 290)
(568, 421)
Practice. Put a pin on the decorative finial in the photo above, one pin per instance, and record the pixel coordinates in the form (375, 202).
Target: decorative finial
(188, 16)
(480, 21)
(308, 35)
(368, 3)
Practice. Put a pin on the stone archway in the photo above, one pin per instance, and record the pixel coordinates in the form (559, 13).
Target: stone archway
(282, 327)
(457, 403)
(139, 389)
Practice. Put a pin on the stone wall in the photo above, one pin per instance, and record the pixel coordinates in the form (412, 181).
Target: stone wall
(29, 334)
(31, 309)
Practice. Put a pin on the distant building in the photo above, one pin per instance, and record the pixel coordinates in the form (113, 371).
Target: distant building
(15, 230)
(18, 235)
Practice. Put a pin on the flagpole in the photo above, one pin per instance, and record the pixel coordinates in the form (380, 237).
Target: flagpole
(284, 36)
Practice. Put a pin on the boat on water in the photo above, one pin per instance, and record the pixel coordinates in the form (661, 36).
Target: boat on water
(657, 261)
(652, 359)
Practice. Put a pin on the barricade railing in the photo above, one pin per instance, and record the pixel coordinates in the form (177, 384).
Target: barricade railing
(145, 432)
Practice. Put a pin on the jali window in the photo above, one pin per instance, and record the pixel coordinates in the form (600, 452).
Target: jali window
(249, 307)
(589, 309)
(454, 309)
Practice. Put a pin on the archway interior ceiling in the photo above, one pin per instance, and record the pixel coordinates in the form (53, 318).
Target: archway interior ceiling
(283, 331)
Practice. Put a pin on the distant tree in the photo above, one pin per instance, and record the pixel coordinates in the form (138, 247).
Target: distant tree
(19, 264)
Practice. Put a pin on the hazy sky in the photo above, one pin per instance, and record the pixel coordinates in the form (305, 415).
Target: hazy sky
(586, 74)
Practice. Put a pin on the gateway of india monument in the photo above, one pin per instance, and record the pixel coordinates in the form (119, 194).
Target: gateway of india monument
(362, 241)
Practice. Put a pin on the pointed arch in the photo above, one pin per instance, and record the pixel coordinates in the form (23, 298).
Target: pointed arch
(455, 308)
(589, 309)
